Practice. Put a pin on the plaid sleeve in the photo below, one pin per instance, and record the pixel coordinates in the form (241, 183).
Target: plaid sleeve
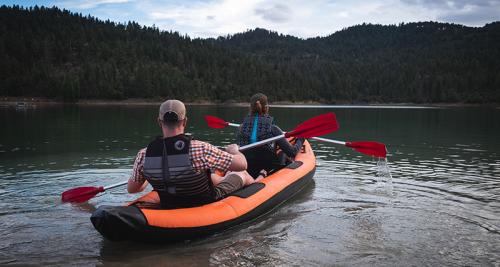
(210, 157)
(138, 170)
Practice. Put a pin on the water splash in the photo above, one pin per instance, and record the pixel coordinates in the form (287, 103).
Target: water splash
(384, 176)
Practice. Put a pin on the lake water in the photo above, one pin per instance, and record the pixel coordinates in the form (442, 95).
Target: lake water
(441, 207)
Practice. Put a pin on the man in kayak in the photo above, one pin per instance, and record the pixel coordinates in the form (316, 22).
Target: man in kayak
(179, 168)
(257, 126)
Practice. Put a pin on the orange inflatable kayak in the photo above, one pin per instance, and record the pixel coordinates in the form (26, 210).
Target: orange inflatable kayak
(140, 220)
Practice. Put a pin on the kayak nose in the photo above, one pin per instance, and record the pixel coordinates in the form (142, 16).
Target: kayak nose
(116, 223)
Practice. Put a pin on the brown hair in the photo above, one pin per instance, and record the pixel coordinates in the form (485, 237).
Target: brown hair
(258, 104)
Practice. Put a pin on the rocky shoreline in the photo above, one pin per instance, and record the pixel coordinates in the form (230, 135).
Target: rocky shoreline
(40, 101)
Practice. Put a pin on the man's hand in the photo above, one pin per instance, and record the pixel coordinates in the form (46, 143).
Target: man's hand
(233, 149)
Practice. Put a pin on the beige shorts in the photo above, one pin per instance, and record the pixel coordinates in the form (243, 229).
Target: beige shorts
(231, 183)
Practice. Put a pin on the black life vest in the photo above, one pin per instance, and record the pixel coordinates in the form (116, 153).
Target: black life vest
(262, 157)
(264, 130)
(168, 168)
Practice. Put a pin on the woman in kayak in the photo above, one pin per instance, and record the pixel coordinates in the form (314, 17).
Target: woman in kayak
(259, 125)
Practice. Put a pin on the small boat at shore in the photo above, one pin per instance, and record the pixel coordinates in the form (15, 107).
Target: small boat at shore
(142, 220)
(24, 105)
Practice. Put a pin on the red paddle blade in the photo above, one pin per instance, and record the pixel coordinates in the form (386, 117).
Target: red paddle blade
(315, 126)
(214, 122)
(81, 194)
(369, 148)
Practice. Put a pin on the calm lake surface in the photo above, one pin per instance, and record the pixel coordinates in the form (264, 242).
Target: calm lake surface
(441, 207)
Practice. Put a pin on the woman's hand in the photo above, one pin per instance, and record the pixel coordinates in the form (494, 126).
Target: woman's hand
(233, 149)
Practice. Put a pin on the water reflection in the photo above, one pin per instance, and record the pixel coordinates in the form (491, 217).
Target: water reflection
(442, 207)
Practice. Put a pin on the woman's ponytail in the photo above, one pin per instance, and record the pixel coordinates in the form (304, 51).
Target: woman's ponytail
(258, 104)
(258, 107)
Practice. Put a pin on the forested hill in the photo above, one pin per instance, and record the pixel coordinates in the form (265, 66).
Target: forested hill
(55, 53)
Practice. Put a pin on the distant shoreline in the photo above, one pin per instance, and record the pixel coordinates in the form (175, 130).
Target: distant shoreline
(40, 101)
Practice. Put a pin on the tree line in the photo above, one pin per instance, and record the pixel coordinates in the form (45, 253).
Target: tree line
(55, 53)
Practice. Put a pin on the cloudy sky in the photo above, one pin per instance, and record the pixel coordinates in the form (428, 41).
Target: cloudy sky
(307, 18)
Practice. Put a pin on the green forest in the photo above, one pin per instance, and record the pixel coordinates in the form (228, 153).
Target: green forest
(54, 53)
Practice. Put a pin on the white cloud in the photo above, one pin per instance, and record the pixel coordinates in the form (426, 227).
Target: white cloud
(300, 18)
(87, 4)
(275, 13)
(219, 17)
(212, 18)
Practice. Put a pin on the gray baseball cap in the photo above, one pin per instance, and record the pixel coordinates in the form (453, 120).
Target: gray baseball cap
(172, 110)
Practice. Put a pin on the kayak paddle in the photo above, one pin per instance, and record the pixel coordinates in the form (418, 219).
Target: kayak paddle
(319, 125)
(217, 123)
(369, 148)
(315, 126)
(84, 193)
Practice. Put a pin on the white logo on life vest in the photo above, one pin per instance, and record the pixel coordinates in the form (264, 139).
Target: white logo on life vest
(179, 145)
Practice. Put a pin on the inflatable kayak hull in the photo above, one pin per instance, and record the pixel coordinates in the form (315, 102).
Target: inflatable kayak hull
(138, 222)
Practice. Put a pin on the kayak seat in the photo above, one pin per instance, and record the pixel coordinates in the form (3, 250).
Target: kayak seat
(248, 190)
(294, 165)
(260, 158)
